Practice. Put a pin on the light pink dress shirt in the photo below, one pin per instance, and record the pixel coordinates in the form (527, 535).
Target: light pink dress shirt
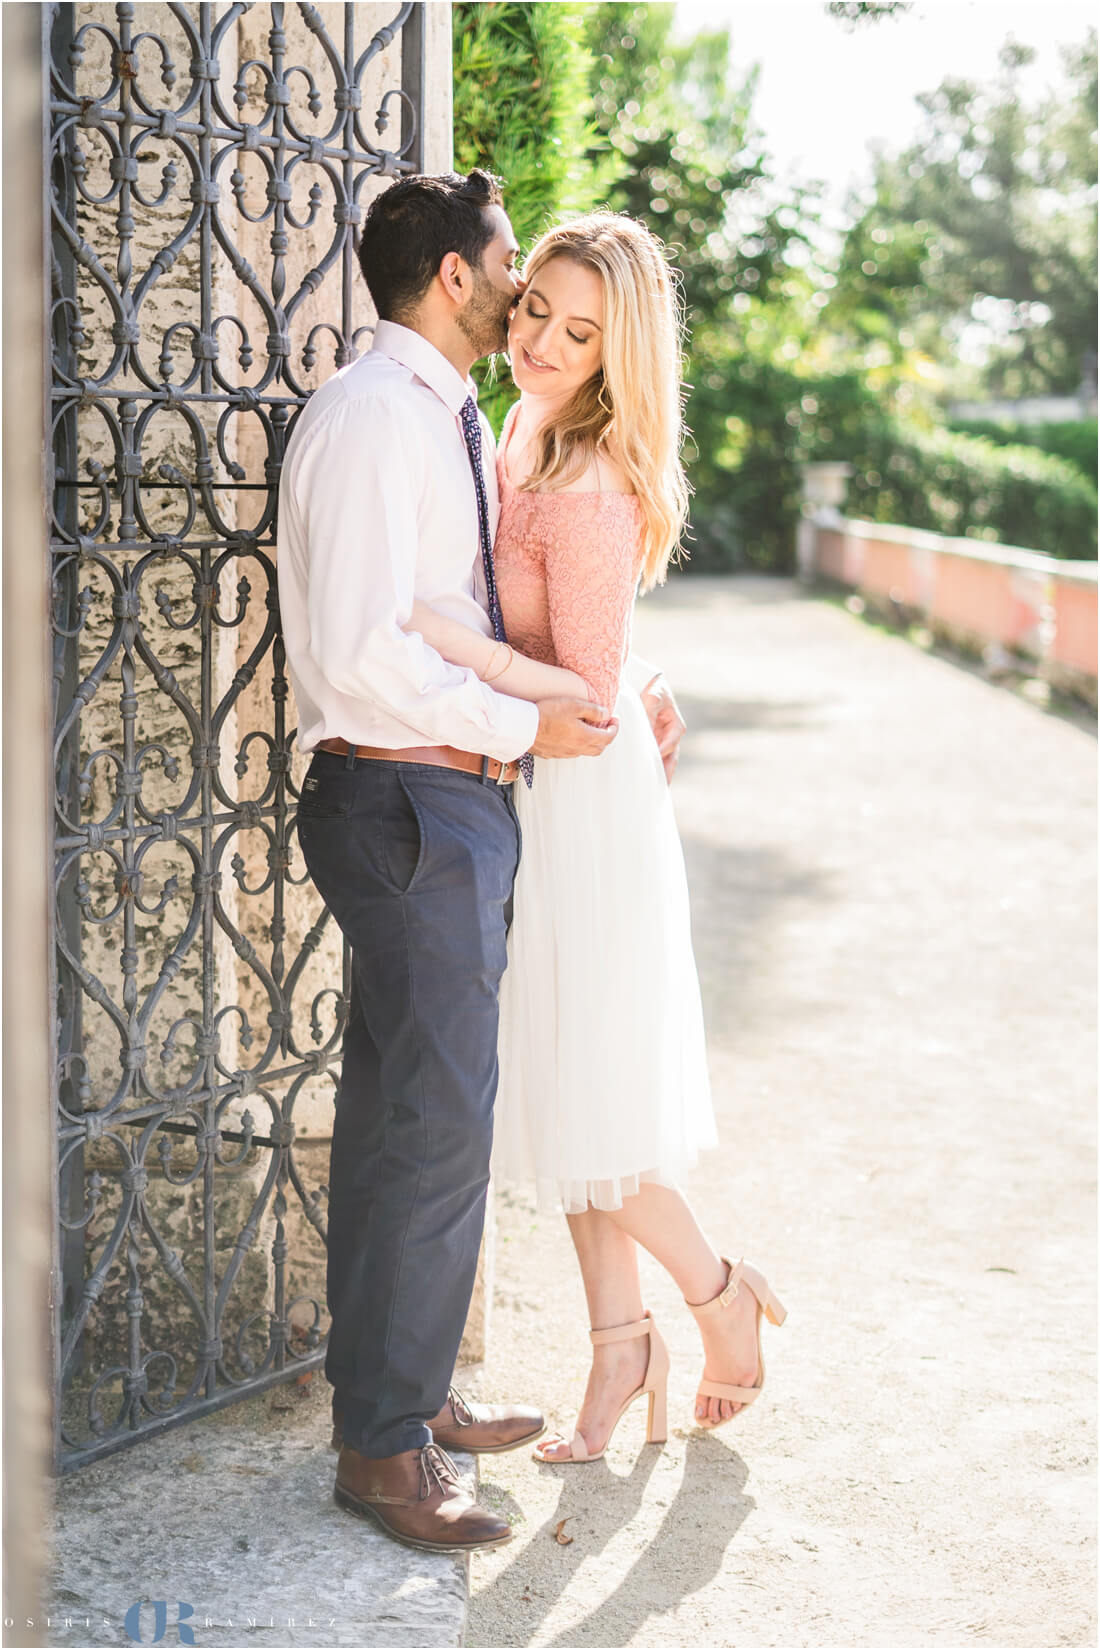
(377, 509)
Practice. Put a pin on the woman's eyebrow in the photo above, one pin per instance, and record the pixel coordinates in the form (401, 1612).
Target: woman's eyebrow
(533, 292)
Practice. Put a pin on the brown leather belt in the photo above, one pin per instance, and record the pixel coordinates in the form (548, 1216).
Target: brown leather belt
(435, 756)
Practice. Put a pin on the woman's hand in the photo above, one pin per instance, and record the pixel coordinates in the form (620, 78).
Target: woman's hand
(668, 725)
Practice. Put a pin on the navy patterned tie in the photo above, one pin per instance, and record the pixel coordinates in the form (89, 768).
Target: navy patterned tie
(471, 429)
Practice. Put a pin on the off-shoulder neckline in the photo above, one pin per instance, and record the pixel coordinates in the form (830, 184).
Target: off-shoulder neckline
(592, 492)
(631, 498)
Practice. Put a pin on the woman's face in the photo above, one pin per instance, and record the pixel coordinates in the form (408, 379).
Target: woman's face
(555, 337)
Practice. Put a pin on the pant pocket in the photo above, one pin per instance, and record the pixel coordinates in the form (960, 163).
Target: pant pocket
(404, 835)
(327, 793)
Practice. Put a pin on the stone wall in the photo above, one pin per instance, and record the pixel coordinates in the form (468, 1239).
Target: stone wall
(142, 598)
(995, 601)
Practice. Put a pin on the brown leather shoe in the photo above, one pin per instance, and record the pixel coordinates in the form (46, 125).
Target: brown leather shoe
(418, 1498)
(483, 1429)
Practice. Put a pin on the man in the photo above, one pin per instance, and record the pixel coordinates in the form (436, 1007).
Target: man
(409, 832)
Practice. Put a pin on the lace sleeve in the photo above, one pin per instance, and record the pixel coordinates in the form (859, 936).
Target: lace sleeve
(593, 558)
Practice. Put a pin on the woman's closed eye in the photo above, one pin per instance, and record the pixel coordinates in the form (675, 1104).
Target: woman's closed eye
(537, 315)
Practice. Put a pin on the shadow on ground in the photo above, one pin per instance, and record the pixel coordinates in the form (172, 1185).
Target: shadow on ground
(596, 1504)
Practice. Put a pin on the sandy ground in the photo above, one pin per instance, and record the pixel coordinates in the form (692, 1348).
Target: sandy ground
(892, 872)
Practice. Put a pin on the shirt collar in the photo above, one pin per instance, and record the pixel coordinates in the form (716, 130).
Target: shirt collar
(412, 350)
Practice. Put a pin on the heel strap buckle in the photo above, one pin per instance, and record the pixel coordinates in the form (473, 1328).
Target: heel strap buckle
(734, 1278)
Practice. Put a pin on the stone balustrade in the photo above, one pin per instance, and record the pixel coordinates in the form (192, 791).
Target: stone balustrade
(995, 600)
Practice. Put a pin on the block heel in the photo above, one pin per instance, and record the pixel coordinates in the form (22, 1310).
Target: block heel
(654, 1387)
(767, 1304)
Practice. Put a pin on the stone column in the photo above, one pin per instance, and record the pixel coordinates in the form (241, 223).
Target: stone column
(824, 489)
(28, 1031)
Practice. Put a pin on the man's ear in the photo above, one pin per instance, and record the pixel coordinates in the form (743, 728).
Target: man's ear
(454, 275)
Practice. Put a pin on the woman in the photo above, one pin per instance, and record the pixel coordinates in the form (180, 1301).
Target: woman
(604, 1100)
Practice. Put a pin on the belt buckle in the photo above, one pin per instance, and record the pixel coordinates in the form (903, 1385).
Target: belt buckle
(504, 777)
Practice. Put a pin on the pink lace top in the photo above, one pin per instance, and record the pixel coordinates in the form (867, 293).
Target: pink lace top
(567, 567)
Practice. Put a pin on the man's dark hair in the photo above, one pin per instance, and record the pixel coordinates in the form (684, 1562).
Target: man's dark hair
(410, 227)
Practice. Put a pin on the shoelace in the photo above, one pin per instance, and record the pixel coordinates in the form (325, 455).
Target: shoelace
(436, 1469)
(460, 1409)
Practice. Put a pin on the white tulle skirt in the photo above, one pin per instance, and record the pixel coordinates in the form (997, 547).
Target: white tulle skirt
(603, 1074)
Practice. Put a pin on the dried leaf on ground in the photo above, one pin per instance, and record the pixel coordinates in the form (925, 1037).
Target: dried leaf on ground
(561, 1539)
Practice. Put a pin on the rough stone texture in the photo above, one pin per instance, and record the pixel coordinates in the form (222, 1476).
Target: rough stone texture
(248, 906)
(892, 870)
(234, 1515)
(173, 300)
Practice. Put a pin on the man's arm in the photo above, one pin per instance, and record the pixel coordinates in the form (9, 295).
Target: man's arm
(354, 484)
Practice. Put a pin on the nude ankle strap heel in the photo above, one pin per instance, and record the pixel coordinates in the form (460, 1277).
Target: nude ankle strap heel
(767, 1303)
(654, 1386)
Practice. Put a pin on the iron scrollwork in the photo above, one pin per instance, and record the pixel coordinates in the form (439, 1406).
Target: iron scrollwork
(205, 191)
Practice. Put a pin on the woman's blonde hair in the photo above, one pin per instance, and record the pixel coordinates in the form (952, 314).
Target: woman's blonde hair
(631, 407)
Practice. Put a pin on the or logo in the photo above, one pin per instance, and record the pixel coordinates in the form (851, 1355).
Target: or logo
(160, 1621)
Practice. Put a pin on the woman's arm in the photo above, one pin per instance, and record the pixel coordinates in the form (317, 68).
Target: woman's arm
(495, 662)
(592, 559)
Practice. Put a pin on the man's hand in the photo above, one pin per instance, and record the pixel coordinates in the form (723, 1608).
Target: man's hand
(573, 727)
(668, 725)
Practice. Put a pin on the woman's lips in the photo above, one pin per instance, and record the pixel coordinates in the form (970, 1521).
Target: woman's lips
(530, 362)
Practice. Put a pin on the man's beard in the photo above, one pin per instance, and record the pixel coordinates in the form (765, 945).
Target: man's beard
(484, 321)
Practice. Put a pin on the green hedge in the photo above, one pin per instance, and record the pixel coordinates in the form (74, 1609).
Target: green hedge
(747, 499)
(1074, 441)
(968, 487)
(523, 109)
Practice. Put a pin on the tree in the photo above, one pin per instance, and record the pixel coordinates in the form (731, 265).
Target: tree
(852, 13)
(692, 165)
(523, 109)
(990, 214)
(695, 170)
(577, 106)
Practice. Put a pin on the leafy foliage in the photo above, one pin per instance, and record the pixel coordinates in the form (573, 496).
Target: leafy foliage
(992, 209)
(990, 212)
(695, 171)
(1074, 440)
(522, 109)
(854, 12)
(968, 487)
(690, 164)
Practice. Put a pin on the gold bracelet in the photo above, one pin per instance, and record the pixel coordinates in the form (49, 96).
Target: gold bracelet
(491, 675)
(484, 674)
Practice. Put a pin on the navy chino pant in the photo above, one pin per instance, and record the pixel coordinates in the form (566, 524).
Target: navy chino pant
(417, 865)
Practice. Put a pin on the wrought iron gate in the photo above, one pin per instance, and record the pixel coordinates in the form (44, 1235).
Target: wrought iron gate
(205, 183)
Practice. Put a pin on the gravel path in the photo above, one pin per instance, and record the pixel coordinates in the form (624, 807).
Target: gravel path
(892, 873)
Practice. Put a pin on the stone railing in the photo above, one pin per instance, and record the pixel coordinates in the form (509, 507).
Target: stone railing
(994, 600)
